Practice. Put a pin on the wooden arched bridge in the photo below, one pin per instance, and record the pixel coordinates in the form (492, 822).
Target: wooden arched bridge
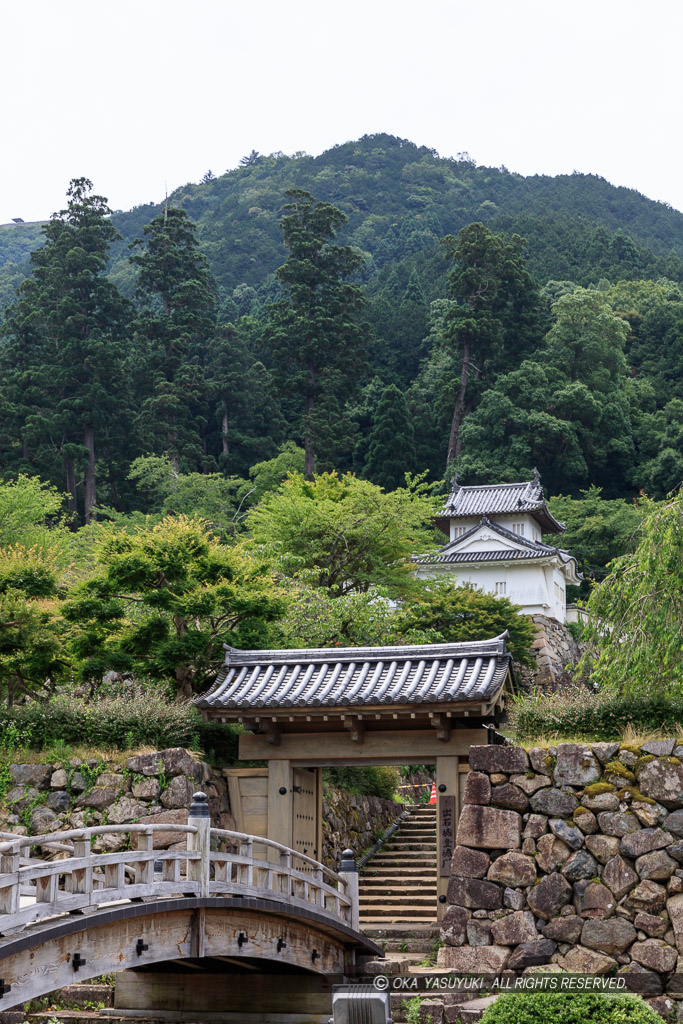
(236, 900)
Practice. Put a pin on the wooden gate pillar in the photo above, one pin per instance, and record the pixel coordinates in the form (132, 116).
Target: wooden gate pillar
(279, 802)
(447, 814)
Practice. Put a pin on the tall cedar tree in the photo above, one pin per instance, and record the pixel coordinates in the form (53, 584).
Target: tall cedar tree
(391, 453)
(63, 388)
(317, 340)
(176, 323)
(495, 318)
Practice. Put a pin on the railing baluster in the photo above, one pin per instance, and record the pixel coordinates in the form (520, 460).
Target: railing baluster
(170, 871)
(9, 894)
(114, 876)
(81, 878)
(144, 869)
(286, 876)
(47, 887)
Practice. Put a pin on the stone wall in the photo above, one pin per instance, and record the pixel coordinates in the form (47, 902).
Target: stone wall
(153, 788)
(157, 789)
(572, 857)
(353, 822)
(556, 653)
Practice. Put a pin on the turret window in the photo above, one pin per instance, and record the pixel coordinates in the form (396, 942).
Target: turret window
(501, 588)
(518, 528)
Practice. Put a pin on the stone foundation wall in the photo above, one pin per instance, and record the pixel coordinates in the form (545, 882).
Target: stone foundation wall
(571, 858)
(151, 788)
(556, 653)
(353, 822)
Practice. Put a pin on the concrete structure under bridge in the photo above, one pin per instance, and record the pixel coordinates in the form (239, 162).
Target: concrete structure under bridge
(254, 930)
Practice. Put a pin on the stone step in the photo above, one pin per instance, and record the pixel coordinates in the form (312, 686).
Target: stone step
(414, 845)
(389, 881)
(385, 932)
(404, 856)
(398, 902)
(408, 946)
(473, 1010)
(408, 894)
(408, 912)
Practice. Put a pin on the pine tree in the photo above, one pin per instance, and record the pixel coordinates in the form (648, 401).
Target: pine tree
(64, 391)
(392, 442)
(177, 293)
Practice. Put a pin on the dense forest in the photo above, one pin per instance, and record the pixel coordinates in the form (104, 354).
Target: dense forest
(377, 309)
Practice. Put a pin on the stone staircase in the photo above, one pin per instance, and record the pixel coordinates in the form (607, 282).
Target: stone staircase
(398, 897)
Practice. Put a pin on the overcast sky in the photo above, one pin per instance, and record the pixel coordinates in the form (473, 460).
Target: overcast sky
(136, 94)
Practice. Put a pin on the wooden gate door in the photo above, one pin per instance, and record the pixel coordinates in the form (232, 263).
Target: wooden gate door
(307, 811)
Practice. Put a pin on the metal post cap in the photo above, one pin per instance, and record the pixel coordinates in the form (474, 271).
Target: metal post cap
(348, 861)
(199, 808)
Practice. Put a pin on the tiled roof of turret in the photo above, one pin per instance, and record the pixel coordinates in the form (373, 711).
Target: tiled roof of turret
(502, 499)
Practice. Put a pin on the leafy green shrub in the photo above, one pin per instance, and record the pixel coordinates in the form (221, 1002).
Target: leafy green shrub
(597, 716)
(372, 780)
(569, 1008)
(218, 742)
(145, 719)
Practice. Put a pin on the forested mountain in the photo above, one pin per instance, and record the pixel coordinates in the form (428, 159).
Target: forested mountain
(547, 331)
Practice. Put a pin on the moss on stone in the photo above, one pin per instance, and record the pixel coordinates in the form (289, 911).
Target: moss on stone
(617, 768)
(596, 788)
(642, 761)
(581, 810)
(672, 760)
(549, 761)
(631, 747)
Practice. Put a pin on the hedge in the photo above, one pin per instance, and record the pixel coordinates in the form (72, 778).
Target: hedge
(569, 1008)
(597, 716)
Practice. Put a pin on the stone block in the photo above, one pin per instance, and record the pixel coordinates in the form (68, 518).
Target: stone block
(674, 906)
(454, 926)
(580, 865)
(36, 775)
(674, 823)
(59, 801)
(660, 748)
(593, 900)
(663, 782)
(510, 797)
(648, 896)
(164, 838)
(652, 925)
(113, 780)
(536, 826)
(640, 980)
(513, 869)
(178, 794)
(648, 814)
(59, 779)
(619, 876)
(474, 959)
(42, 820)
(569, 834)
(581, 960)
(564, 929)
(603, 848)
(513, 900)
(477, 788)
(611, 936)
(532, 954)
(469, 863)
(98, 798)
(513, 929)
(645, 840)
(498, 758)
(552, 853)
(541, 760)
(147, 789)
(126, 810)
(489, 828)
(479, 933)
(601, 801)
(586, 821)
(474, 893)
(554, 803)
(532, 784)
(618, 823)
(655, 954)
(604, 751)
(576, 765)
(657, 865)
(548, 897)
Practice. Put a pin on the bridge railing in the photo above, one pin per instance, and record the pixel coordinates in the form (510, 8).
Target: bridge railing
(80, 879)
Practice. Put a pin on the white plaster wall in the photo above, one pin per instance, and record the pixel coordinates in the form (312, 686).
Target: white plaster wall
(530, 586)
(532, 530)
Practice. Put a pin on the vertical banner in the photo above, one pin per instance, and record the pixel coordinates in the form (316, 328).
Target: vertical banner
(446, 834)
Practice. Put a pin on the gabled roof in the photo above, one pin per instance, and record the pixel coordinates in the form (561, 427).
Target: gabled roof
(502, 499)
(451, 553)
(355, 677)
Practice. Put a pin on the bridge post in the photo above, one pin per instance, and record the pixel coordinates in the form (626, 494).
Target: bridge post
(348, 870)
(200, 817)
